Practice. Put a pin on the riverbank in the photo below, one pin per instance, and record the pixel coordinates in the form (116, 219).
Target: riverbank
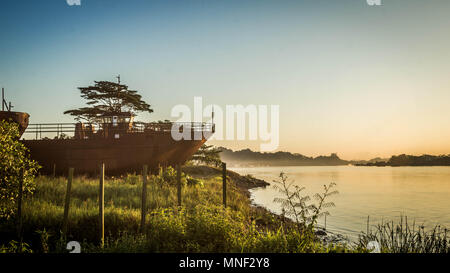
(201, 224)
(247, 182)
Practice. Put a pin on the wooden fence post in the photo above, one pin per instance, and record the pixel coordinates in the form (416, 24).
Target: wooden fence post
(19, 207)
(101, 206)
(54, 170)
(179, 183)
(67, 201)
(224, 183)
(144, 197)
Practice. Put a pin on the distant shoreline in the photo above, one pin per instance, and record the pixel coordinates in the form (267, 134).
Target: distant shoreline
(249, 158)
(238, 165)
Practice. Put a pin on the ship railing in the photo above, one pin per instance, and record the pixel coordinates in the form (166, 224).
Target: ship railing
(68, 130)
(46, 129)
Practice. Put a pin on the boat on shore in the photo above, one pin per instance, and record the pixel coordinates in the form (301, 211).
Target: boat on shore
(121, 146)
(114, 139)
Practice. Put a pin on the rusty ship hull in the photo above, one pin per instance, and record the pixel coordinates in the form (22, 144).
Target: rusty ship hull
(124, 155)
(20, 118)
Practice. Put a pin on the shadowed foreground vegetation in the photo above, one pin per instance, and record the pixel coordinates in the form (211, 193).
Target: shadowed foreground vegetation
(200, 225)
(404, 237)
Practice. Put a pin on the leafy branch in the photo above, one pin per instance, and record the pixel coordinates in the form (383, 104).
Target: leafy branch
(297, 205)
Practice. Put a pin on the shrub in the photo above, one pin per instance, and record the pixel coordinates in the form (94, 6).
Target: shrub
(168, 177)
(15, 167)
(298, 206)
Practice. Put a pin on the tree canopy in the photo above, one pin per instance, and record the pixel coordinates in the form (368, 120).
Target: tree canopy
(15, 165)
(108, 98)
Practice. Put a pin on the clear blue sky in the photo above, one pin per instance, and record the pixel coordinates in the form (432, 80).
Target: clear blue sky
(349, 78)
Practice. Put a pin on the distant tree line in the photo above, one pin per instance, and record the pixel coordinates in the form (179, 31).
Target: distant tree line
(412, 160)
(211, 155)
(423, 160)
(249, 157)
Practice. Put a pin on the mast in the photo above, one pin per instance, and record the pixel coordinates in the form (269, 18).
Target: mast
(4, 103)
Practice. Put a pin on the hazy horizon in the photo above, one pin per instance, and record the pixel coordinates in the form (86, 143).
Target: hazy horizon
(340, 156)
(351, 79)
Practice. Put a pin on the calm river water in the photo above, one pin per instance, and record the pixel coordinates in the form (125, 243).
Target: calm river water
(383, 193)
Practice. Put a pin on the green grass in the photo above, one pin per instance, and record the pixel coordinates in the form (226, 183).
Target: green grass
(404, 237)
(200, 225)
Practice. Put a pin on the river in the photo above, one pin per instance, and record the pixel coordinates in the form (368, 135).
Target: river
(382, 193)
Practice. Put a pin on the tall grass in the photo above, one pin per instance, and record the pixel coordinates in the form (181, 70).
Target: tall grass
(122, 204)
(404, 237)
(200, 225)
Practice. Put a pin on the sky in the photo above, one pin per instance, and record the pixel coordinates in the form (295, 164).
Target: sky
(358, 80)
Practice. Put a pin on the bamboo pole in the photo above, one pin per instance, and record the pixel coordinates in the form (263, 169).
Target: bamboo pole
(224, 183)
(144, 197)
(101, 201)
(67, 201)
(179, 184)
